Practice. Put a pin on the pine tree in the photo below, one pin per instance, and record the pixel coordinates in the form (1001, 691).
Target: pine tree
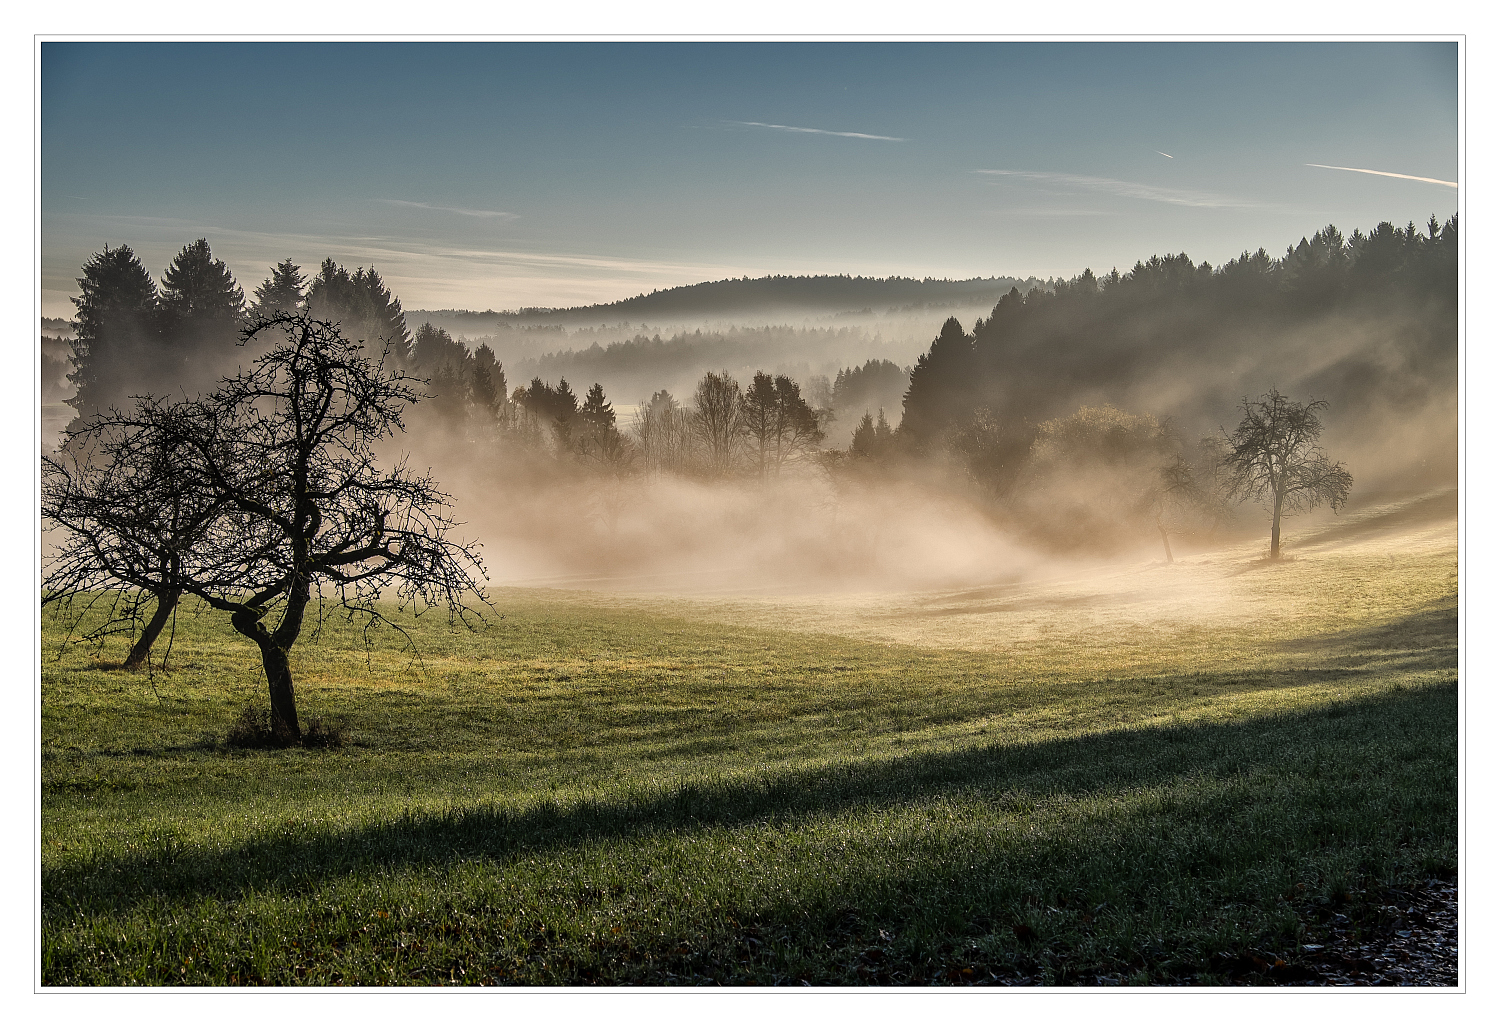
(199, 294)
(283, 291)
(487, 384)
(362, 306)
(117, 328)
(597, 411)
(203, 311)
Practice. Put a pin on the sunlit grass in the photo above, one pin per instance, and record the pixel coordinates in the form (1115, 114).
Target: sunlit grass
(609, 789)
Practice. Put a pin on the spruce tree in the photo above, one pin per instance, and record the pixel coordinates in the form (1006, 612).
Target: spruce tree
(283, 291)
(362, 306)
(117, 329)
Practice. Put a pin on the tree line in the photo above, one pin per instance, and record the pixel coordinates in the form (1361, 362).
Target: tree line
(266, 488)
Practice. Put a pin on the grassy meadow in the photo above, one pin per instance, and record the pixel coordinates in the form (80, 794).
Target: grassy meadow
(1115, 775)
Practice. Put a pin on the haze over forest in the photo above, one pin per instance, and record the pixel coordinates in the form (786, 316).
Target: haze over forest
(652, 334)
(941, 432)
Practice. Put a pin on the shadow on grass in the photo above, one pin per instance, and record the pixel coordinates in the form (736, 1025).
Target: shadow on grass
(1441, 506)
(1106, 763)
(1433, 633)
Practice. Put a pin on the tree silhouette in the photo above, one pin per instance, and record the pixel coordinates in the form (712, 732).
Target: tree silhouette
(199, 293)
(716, 416)
(942, 384)
(796, 424)
(872, 437)
(118, 332)
(286, 451)
(1274, 457)
(202, 312)
(596, 411)
(135, 524)
(283, 291)
(759, 416)
(362, 306)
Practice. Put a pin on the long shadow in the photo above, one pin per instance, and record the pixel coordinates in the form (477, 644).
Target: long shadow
(1439, 507)
(1433, 631)
(1125, 759)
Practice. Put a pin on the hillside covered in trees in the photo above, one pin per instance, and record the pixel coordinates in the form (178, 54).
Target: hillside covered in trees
(1368, 323)
(771, 296)
(1090, 413)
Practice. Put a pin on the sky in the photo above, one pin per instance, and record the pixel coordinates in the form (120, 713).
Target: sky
(502, 175)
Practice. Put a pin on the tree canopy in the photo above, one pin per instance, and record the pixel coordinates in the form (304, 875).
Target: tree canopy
(1273, 457)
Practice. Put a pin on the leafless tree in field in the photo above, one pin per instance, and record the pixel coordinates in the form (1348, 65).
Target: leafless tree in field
(1274, 458)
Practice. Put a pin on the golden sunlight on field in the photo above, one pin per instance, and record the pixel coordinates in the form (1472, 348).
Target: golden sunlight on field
(1373, 565)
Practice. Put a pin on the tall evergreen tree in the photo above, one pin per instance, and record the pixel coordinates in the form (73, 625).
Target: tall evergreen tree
(117, 329)
(362, 306)
(201, 303)
(596, 410)
(283, 291)
(199, 292)
(942, 383)
(203, 310)
(487, 384)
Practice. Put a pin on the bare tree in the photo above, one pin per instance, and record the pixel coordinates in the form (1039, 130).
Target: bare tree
(133, 525)
(716, 413)
(290, 502)
(664, 433)
(1274, 458)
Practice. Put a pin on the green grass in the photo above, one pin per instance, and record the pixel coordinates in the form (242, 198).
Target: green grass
(596, 791)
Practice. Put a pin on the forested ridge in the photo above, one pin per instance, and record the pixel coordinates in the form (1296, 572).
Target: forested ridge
(1370, 317)
(822, 293)
(1093, 409)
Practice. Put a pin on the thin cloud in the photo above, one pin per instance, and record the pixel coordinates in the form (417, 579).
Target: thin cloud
(1132, 190)
(1388, 174)
(818, 132)
(465, 211)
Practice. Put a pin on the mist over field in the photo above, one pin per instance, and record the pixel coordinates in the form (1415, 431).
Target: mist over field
(1003, 440)
(758, 513)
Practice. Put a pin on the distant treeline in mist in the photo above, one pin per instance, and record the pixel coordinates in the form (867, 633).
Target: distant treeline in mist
(1084, 413)
(758, 297)
(642, 364)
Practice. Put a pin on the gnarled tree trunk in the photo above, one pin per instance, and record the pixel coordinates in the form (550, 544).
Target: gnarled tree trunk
(284, 724)
(274, 647)
(166, 602)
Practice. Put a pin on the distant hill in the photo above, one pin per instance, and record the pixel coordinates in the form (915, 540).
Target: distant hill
(773, 297)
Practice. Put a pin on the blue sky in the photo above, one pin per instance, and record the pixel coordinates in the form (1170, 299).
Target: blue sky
(508, 174)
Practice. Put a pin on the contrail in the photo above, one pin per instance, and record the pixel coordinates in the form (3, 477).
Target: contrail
(1387, 174)
(1167, 155)
(819, 132)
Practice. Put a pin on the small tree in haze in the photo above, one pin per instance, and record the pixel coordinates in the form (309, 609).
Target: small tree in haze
(664, 433)
(873, 437)
(283, 291)
(716, 416)
(1274, 458)
(599, 440)
(758, 415)
(796, 424)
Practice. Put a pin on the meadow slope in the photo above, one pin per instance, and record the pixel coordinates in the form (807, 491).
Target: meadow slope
(1124, 774)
